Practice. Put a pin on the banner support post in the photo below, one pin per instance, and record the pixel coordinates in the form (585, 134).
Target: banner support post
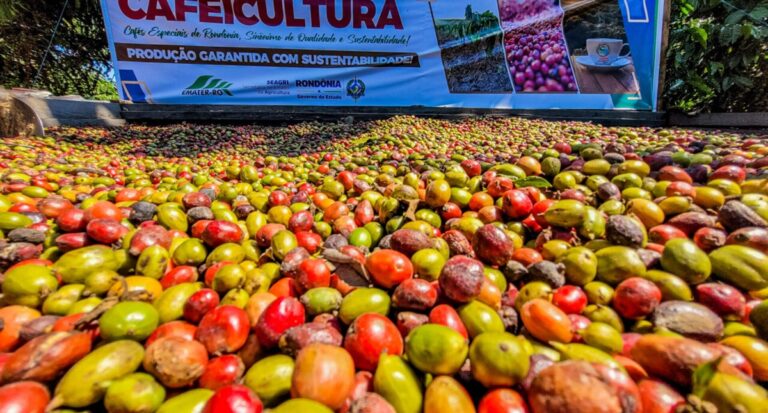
(663, 50)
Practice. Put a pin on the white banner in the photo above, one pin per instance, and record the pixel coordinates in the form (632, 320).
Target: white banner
(513, 54)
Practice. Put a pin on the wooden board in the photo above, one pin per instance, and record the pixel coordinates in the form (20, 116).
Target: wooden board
(617, 82)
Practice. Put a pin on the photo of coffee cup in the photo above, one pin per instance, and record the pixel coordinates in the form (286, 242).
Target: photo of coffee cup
(606, 51)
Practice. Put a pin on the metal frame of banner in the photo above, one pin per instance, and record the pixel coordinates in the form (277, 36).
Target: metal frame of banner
(660, 104)
(142, 112)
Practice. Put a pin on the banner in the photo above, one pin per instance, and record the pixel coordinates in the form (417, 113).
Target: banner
(495, 54)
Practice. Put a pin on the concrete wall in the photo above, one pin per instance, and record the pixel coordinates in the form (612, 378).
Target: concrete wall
(71, 111)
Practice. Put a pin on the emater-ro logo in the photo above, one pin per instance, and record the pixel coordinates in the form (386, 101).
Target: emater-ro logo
(208, 86)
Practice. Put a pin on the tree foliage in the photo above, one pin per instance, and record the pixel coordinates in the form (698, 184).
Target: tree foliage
(718, 56)
(79, 58)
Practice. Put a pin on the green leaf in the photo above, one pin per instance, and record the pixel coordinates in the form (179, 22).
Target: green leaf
(747, 30)
(734, 62)
(700, 85)
(727, 83)
(703, 375)
(687, 4)
(700, 34)
(760, 32)
(686, 7)
(678, 83)
(534, 181)
(759, 13)
(716, 67)
(735, 17)
(729, 34)
(743, 81)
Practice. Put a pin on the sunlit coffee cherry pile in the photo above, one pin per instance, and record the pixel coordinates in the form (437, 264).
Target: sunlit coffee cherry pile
(407, 265)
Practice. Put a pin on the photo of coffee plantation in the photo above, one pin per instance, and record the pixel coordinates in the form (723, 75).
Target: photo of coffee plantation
(472, 27)
(472, 53)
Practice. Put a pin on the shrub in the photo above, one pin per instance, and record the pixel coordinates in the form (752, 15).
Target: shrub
(718, 56)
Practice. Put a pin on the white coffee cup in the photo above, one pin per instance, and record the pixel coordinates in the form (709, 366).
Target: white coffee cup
(606, 51)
